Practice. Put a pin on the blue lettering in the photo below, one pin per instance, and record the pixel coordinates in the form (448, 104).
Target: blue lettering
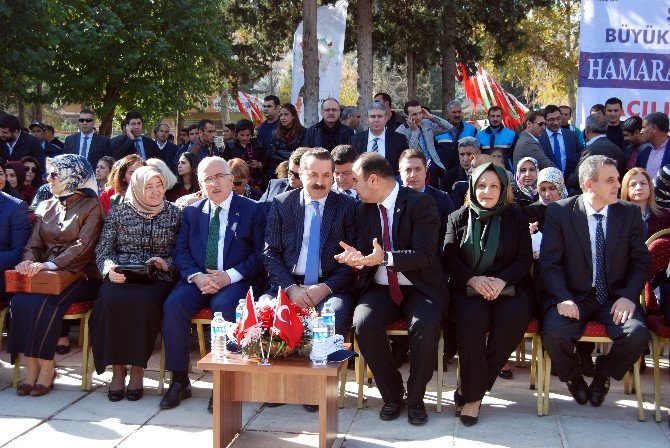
(636, 35)
(610, 35)
(661, 37)
(651, 39)
(621, 35)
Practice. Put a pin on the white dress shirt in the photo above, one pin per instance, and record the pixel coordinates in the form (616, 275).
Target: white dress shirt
(561, 145)
(223, 224)
(381, 276)
(592, 232)
(350, 192)
(381, 143)
(301, 265)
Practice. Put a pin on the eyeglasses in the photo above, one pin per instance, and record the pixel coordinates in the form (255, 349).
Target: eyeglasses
(209, 180)
(30, 169)
(540, 123)
(293, 174)
(52, 175)
(86, 120)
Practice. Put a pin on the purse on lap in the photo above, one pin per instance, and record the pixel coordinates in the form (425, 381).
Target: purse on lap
(138, 273)
(44, 282)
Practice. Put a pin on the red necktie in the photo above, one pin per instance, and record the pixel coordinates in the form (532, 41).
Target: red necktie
(394, 286)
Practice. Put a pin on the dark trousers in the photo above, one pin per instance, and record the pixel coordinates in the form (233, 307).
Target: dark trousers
(664, 306)
(488, 331)
(560, 333)
(373, 314)
(182, 304)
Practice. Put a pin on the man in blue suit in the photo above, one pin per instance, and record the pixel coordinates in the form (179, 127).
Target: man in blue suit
(559, 144)
(14, 233)
(88, 143)
(304, 229)
(218, 254)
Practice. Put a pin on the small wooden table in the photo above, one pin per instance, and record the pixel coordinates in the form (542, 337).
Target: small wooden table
(292, 380)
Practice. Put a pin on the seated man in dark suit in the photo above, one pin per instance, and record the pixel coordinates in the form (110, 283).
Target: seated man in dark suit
(413, 175)
(403, 278)
(14, 233)
(594, 263)
(559, 144)
(299, 261)
(378, 139)
(218, 254)
(292, 182)
(16, 144)
(597, 144)
(88, 143)
(134, 142)
(467, 148)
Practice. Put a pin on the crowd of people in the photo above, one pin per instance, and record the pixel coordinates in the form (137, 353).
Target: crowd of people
(412, 217)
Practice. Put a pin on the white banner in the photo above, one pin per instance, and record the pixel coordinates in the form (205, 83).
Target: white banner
(331, 22)
(624, 52)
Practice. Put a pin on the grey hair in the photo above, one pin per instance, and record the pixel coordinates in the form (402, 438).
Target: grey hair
(469, 141)
(204, 163)
(377, 106)
(349, 111)
(453, 103)
(597, 123)
(317, 153)
(588, 169)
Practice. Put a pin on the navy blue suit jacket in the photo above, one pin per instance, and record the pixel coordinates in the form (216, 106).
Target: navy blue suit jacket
(643, 157)
(243, 242)
(98, 147)
(14, 233)
(275, 188)
(283, 238)
(572, 150)
(444, 207)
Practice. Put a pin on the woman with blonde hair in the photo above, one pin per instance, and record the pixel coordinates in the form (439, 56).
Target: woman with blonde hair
(638, 188)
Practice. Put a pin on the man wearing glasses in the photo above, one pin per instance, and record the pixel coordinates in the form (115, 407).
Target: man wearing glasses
(218, 255)
(529, 144)
(558, 143)
(329, 132)
(87, 143)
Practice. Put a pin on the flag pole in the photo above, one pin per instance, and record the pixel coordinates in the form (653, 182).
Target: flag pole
(264, 359)
(273, 321)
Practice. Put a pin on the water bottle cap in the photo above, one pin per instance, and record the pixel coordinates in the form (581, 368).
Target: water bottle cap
(218, 314)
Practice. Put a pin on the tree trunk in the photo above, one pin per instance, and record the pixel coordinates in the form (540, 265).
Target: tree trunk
(364, 53)
(225, 113)
(310, 62)
(411, 75)
(109, 101)
(39, 113)
(448, 54)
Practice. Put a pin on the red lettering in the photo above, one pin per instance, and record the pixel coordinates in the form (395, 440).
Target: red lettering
(631, 112)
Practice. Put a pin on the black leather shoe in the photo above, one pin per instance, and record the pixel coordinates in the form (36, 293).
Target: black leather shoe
(62, 349)
(391, 411)
(579, 389)
(134, 394)
(506, 374)
(598, 389)
(175, 395)
(311, 407)
(469, 420)
(586, 365)
(115, 395)
(416, 414)
(210, 405)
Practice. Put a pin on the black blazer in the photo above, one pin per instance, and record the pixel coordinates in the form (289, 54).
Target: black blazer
(284, 234)
(444, 207)
(169, 155)
(566, 264)
(535, 213)
(452, 176)
(415, 230)
(395, 144)
(26, 145)
(572, 149)
(98, 147)
(603, 147)
(512, 265)
(125, 146)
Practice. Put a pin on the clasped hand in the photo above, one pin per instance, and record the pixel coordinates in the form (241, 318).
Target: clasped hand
(488, 287)
(308, 296)
(212, 282)
(30, 268)
(354, 258)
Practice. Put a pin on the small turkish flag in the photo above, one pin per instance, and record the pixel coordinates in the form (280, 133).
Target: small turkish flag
(287, 320)
(249, 318)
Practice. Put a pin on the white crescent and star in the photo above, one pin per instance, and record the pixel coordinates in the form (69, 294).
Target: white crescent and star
(279, 313)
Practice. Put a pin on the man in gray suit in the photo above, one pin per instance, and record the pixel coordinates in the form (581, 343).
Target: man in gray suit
(594, 264)
(529, 143)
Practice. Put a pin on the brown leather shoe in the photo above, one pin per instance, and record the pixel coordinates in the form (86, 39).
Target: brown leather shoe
(24, 389)
(39, 390)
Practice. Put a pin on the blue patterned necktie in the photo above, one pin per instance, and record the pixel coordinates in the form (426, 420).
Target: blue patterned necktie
(313, 249)
(557, 153)
(140, 149)
(212, 252)
(84, 147)
(375, 146)
(601, 281)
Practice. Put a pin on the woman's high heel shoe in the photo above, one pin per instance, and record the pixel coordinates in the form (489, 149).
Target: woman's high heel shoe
(458, 401)
(469, 420)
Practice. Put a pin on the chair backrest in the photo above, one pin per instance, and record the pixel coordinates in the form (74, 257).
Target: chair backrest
(660, 253)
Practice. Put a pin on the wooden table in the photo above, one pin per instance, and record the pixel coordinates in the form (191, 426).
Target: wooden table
(292, 380)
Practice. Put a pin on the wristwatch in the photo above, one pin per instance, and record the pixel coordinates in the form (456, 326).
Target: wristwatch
(385, 261)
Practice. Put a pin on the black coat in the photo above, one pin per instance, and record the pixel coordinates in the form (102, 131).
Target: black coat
(26, 145)
(535, 213)
(313, 137)
(512, 261)
(395, 144)
(600, 147)
(169, 155)
(444, 207)
(452, 176)
(125, 146)
(98, 147)
(279, 150)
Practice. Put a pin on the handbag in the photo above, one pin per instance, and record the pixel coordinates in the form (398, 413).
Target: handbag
(44, 282)
(508, 291)
(138, 273)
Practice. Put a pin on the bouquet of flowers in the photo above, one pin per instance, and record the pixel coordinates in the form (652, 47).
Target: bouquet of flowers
(264, 338)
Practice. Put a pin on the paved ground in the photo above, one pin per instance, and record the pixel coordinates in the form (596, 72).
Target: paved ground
(68, 417)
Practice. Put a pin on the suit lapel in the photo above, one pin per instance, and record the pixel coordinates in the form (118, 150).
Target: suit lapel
(581, 226)
(300, 222)
(328, 217)
(233, 221)
(77, 147)
(400, 205)
(204, 225)
(613, 233)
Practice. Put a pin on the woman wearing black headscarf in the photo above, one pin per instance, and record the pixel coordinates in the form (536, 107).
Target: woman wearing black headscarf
(488, 255)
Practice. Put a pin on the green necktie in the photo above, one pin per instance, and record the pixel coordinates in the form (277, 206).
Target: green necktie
(213, 241)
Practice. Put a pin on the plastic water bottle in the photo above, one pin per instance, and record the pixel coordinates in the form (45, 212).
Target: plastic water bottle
(218, 327)
(328, 315)
(319, 355)
(239, 311)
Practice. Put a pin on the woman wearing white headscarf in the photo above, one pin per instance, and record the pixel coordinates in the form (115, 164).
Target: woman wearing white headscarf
(64, 235)
(525, 190)
(550, 188)
(127, 317)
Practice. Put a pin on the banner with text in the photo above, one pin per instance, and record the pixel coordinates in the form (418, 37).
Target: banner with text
(331, 20)
(624, 52)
